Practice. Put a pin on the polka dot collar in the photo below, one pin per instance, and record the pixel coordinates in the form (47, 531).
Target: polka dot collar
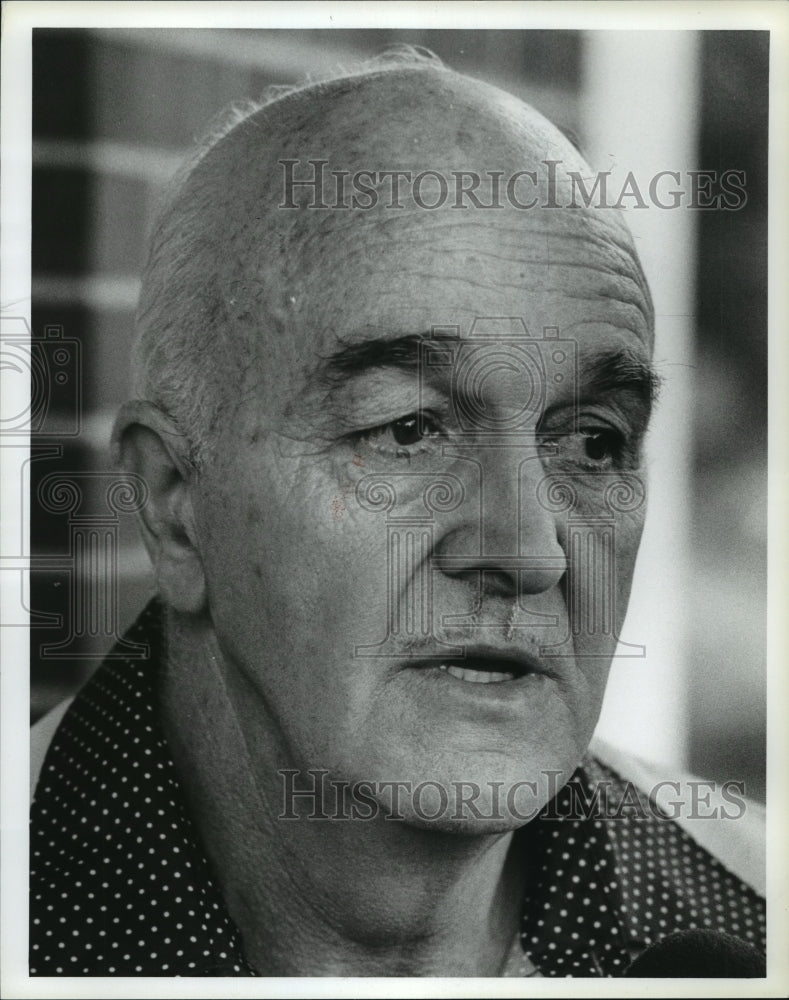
(119, 882)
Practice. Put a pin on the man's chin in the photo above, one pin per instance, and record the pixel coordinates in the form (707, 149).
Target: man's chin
(468, 823)
(471, 805)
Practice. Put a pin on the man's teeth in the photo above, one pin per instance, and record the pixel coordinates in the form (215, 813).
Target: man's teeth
(477, 676)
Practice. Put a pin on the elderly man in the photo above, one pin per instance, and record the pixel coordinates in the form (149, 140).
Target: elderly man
(393, 369)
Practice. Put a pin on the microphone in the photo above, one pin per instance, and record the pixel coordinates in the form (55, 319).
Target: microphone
(699, 954)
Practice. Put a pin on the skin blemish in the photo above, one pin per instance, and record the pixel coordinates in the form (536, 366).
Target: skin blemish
(338, 504)
(338, 508)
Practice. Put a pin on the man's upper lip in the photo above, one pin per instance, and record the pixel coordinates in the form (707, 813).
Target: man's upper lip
(504, 659)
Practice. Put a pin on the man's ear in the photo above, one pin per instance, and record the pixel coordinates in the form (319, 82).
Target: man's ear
(146, 442)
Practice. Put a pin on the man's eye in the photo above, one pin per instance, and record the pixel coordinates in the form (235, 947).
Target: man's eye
(403, 437)
(600, 445)
(408, 430)
(595, 448)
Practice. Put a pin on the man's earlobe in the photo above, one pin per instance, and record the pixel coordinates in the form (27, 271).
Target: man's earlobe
(146, 442)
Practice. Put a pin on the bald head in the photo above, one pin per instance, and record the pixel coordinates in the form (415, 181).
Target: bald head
(325, 187)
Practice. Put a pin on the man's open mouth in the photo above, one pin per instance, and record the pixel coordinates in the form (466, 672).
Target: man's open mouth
(482, 665)
(479, 672)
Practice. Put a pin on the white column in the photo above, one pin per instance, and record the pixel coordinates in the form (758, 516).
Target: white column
(640, 98)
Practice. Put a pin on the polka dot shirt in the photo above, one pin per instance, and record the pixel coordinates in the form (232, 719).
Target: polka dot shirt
(617, 876)
(120, 884)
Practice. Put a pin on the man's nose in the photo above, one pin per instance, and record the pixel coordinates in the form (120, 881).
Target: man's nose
(504, 535)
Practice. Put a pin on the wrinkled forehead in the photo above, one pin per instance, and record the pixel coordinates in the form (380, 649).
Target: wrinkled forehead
(316, 198)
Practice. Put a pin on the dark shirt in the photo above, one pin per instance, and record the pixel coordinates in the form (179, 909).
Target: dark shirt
(120, 884)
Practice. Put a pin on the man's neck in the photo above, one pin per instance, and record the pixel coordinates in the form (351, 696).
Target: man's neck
(325, 897)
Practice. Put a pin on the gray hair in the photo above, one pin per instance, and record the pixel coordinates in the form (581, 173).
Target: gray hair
(183, 329)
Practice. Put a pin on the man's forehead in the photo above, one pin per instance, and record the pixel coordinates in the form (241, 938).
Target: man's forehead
(414, 272)
(319, 277)
(338, 321)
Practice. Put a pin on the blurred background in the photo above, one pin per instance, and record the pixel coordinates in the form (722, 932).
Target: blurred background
(113, 113)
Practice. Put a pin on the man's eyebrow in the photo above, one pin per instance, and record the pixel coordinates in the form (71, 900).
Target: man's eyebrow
(621, 371)
(398, 352)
